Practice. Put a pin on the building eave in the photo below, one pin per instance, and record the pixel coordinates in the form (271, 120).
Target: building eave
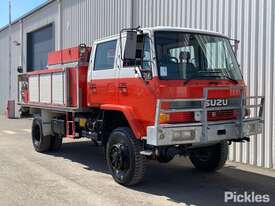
(36, 9)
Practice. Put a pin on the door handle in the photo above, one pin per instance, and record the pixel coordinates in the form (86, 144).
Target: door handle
(122, 87)
(93, 87)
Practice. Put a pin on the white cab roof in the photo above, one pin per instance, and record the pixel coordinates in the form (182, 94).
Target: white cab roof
(183, 29)
(167, 28)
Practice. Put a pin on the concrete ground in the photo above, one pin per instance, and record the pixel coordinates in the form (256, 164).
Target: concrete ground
(78, 175)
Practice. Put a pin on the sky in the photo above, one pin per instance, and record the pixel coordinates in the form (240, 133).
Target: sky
(19, 8)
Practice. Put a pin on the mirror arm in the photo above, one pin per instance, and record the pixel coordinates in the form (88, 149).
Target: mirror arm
(236, 44)
(141, 70)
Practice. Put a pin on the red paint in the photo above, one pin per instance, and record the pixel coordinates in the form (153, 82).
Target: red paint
(45, 71)
(141, 96)
(25, 95)
(130, 115)
(102, 92)
(82, 79)
(68, 55)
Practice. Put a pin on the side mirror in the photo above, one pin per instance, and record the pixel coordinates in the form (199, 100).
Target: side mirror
(20, 69)
(130, 46)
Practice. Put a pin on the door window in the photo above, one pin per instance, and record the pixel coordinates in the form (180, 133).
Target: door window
(147, 53)
(105, 55)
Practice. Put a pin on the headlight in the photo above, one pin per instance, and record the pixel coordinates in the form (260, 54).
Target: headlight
(181, 135)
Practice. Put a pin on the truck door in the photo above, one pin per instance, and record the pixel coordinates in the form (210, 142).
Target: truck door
(102, 78)
(133, 90)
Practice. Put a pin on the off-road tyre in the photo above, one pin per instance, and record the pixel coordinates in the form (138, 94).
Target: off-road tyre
(40, 142)
(123, 156)
(210, 159)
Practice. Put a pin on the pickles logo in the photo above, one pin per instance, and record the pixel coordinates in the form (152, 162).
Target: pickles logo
(246, 197)
(216, 102)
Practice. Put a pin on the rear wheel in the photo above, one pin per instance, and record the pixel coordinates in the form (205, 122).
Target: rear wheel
(165, 155)
(124, 160)
(56, 143)
(40, 142)
(210, 158)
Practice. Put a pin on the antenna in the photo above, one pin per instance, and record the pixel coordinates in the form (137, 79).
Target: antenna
(10, 49)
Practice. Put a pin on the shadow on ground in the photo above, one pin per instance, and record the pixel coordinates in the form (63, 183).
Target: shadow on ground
(178, 181)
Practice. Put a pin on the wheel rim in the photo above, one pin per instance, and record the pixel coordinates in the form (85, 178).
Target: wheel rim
(119, 159)
(36, 134)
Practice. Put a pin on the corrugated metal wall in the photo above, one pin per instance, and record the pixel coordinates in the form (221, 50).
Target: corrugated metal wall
(4, 65)
(45, 16)
(4, 86)
(251, 21)
(86, 20)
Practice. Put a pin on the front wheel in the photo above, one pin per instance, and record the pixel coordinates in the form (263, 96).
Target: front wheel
(124, 160)
(210, 158)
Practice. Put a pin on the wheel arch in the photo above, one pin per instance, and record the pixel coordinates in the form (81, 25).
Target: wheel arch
(124, 116)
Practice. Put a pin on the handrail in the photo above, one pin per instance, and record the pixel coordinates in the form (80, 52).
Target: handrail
(204, 109)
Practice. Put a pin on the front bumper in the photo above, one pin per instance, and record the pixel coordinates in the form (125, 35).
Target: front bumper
(205, 131)
(180, 134)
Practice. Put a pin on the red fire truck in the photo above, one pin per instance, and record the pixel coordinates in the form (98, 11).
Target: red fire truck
(145, 94)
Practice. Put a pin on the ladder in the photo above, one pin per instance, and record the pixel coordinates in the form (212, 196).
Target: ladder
(70, 125)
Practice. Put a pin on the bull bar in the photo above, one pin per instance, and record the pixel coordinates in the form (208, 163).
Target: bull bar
(204, 131)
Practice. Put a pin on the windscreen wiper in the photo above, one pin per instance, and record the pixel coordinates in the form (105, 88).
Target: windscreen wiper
(214, 76)
(196, 76)
(232, 80)
(228, 77)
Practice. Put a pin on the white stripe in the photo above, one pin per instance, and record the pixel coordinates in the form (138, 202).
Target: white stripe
(127, 72)
(9, 132)
(105, 74)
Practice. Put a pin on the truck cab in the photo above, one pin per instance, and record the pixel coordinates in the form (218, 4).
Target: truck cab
(148, 94)
(172, 78)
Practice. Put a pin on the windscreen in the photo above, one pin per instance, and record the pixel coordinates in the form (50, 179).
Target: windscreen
(195, 56)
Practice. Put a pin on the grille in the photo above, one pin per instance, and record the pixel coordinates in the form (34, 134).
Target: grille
(221, 115)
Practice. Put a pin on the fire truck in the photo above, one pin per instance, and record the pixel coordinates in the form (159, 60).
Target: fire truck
(145, 94)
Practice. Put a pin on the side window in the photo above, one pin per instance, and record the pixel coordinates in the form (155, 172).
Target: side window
(105, 55)
(146, 53)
